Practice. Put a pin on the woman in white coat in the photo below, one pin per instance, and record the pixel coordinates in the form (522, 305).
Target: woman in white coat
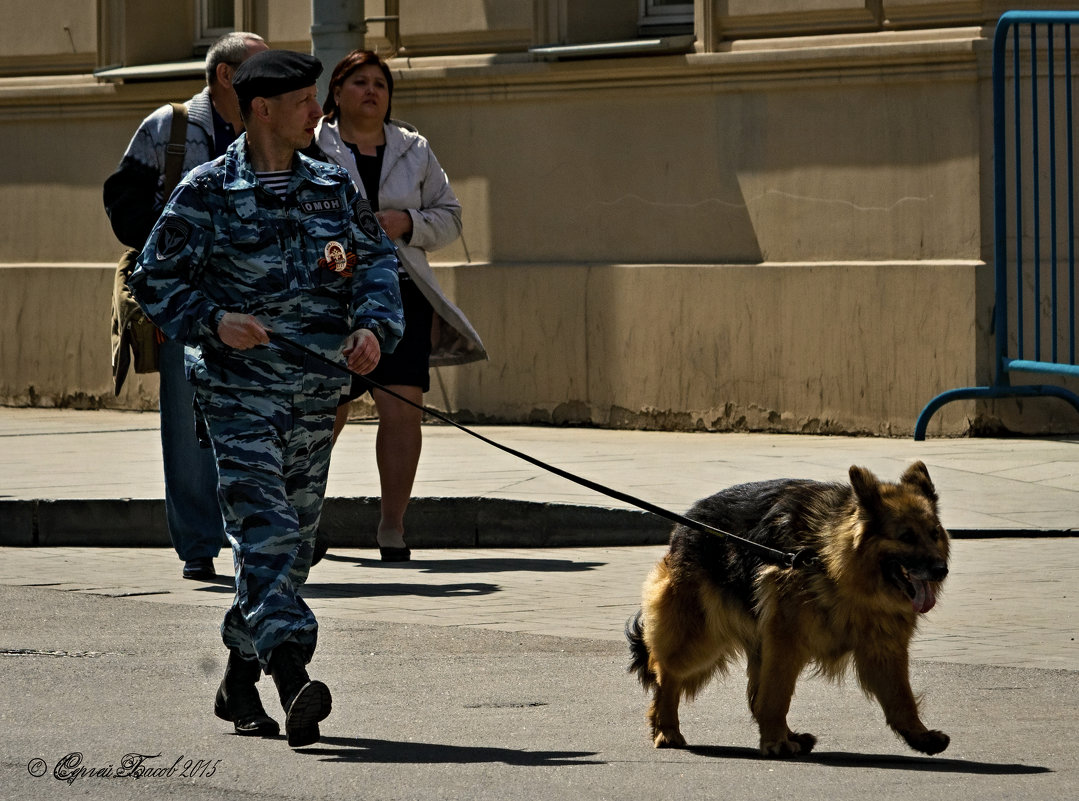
(394, 168)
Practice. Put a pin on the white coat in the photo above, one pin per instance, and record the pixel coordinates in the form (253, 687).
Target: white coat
(412, 180)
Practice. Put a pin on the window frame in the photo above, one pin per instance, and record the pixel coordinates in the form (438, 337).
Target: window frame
(205, 35)
(671, 17)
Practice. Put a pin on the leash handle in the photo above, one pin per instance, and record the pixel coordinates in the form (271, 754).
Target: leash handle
(766, 554)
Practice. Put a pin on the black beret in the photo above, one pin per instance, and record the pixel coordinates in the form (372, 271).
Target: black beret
(274, 72)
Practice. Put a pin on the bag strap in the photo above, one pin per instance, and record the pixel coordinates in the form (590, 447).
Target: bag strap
(176, 148)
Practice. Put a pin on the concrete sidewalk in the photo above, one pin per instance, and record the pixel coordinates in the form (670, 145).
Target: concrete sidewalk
(559, 558)
(94, 478)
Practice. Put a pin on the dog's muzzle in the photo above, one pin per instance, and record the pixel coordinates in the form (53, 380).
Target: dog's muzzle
(919, 583)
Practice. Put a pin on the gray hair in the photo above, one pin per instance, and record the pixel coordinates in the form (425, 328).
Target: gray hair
(229, 49)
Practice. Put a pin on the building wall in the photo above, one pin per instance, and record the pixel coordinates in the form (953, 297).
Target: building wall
(34, 43)
(786, 228)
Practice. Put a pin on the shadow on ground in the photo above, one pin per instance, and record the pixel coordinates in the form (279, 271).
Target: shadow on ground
(504, 565)
(359, 749)
(839, 759)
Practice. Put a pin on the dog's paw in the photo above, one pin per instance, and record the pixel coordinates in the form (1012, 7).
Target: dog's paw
(792, 745)
(670, 738)
(928, 742)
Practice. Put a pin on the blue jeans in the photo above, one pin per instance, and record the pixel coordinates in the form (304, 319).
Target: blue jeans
(192, 509)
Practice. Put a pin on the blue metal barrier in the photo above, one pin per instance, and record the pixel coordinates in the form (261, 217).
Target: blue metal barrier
(1034, 224)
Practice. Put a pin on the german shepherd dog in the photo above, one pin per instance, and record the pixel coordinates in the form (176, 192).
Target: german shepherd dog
(881, 557)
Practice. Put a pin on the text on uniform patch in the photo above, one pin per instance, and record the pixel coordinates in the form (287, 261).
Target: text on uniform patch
(313, 206)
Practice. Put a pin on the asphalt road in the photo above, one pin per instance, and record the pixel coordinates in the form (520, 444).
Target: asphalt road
(433, 712)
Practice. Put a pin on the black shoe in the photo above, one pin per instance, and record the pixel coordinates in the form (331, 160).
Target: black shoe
(310, 705)
(395, 554)
(238, 699)
(201, 569)
(305, 702)
(322, 544)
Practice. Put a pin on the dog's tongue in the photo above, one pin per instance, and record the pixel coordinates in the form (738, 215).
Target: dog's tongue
(925, 597)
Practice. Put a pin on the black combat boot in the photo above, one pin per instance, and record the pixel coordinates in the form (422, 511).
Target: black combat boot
(305, 702)
(238, 699)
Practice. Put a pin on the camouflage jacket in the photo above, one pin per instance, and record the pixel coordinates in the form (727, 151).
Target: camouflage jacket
(226, 243)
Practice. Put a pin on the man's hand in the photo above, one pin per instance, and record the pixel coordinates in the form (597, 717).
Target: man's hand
(242, 331)
(362, 351)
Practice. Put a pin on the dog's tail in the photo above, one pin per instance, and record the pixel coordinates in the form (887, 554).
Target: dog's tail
(638, 651)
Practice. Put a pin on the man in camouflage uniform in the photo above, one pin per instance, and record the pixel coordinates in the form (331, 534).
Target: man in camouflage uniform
(242, 251)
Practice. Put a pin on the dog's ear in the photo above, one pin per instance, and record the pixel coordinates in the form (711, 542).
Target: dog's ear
(917, 476)
(866, 488)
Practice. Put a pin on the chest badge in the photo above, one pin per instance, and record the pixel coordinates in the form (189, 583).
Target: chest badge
(337, 259)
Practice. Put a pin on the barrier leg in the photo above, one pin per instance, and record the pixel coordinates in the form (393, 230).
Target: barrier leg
(989, 393)
(963, 393)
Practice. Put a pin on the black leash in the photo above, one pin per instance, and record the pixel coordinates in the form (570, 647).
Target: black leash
(797, 559)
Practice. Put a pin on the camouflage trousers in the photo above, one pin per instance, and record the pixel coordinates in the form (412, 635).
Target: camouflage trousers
(273, 459)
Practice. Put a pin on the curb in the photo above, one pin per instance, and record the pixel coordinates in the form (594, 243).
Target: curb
(455, 522)
(349, 523)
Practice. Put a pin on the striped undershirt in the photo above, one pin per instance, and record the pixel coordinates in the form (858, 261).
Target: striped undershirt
(276, 182)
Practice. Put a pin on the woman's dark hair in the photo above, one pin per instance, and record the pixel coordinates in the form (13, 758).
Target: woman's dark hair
(345, 67)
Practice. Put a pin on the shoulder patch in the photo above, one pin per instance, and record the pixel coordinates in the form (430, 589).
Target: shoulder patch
(365, 218)
(173, 237)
